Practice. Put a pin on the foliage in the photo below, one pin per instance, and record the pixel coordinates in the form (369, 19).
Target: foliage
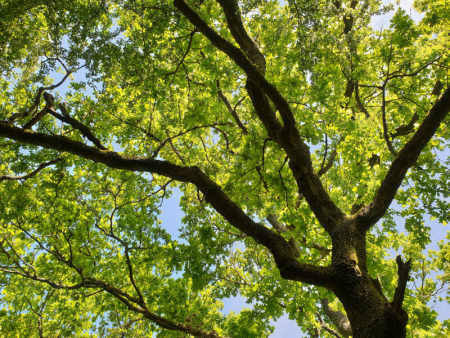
(82, 252)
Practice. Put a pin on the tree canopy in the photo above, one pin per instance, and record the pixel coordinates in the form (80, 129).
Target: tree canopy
(307, 146)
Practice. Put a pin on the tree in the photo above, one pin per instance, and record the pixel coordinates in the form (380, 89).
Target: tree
(290, 130)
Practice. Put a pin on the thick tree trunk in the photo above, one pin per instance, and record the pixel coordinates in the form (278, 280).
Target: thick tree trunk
(369, 314)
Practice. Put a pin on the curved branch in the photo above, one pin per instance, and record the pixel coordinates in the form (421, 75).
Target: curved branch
(34, 172)
(170, 138)
(79, 126)
(404, 160)
(240, 58)
(326, 167)
(13, 271)
(393, 76)
(191, 37)
(237, 29)
(37, 99)
(282, 252)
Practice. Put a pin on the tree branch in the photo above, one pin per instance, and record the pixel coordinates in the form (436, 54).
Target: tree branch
(406, 129)
(79, 126)
(131, 277)
(281, 227)
(37, 99)
(283, 254)
(407, 156)
(338, 318)
(237, 29)
(26, 176)
(359, 102)
(325, 167)
(403, 278)
(232, 112)
(191, 37)
(170, 138)
(240, 58)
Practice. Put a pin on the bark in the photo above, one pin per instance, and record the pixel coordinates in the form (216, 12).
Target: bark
(370, 315)
(368, 312)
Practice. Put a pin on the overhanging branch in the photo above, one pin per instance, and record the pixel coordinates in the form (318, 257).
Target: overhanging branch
(79, 126)
(237, 29)
(283, 254)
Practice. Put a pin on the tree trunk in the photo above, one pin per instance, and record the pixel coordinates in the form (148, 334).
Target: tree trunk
(369, 314)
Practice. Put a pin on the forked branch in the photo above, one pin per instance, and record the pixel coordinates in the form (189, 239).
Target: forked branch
(286, 135)
(240, 58)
